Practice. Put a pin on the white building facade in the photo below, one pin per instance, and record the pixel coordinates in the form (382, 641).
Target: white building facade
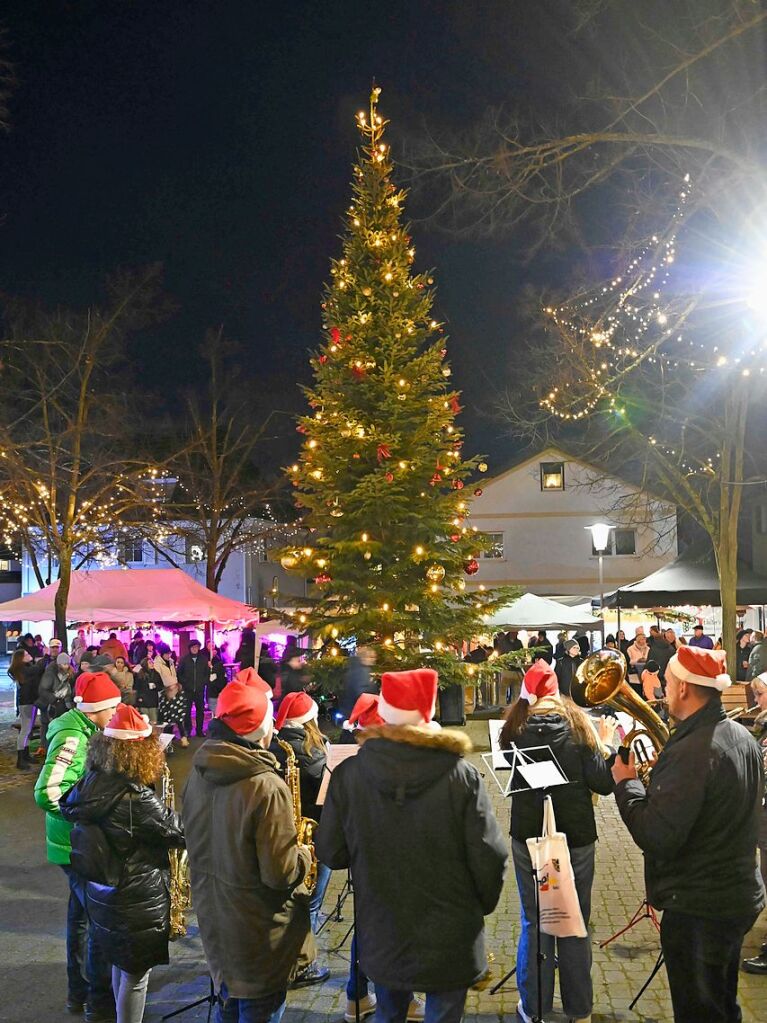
(538, 513)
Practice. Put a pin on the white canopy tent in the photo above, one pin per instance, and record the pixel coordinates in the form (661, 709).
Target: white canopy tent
(533, 612)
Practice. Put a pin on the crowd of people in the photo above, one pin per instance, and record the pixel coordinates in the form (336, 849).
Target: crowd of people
(407, 808)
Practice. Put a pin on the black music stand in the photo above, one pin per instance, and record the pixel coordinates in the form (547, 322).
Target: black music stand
(659, 962)
(210, 998)
(524, 778)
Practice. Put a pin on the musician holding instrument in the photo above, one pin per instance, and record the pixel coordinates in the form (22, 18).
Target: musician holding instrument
(121, 841)
(296, 725)
(542, 717)
(245, 860)
(413, 820)
(696, 824)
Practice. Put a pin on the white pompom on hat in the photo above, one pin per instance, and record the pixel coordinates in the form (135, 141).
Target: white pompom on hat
(127, 724)
(700, 667)
(408, 697)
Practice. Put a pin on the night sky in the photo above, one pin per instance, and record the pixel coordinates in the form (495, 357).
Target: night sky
(217, 137)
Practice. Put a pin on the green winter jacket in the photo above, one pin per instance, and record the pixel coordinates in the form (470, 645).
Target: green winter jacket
(64, 765)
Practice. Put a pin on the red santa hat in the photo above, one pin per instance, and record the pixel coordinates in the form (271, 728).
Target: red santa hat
(246, 710)
(701, 667)
(95, 691)
(296, 709)
(408, 697)
(540, 680)
(126, 723)
(365, 712)
(250, 677)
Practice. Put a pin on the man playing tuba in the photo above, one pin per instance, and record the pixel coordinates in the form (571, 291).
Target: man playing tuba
(697, 825)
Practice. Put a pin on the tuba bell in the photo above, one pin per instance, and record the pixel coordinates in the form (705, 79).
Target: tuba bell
(601, 681)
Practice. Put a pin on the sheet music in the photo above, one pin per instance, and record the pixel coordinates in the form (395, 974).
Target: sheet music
(337, 753)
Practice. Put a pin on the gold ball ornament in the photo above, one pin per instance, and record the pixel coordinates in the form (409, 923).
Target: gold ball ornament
(288, 561)
(482, 466)
(435, 573)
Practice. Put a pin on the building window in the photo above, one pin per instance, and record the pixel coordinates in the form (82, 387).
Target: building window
(552, 475)
(622, 542)
(625, 541)
(130, 552)
(495, 550)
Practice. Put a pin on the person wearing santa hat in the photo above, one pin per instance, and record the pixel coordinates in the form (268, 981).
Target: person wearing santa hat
(364, 714)
(407, 810)
(697, 825)
(543, 717)
(250, 677)
(96, 697)
(296, 724)
(246, 863)
(120, 842)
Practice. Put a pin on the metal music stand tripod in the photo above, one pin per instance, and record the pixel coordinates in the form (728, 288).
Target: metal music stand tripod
(659, 962)
(210, 998)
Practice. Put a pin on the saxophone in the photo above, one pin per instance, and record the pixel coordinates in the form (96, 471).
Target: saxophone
(305, 826)
(180, 879)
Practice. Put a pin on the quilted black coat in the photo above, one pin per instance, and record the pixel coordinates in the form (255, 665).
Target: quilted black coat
(132, 917)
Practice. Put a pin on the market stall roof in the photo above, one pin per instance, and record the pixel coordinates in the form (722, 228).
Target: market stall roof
(690, 579)
(532, 612)
(130, 596)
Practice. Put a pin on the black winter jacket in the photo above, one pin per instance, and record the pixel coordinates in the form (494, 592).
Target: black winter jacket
(586, 769)
(565, 667)
(28, 683)
(311, 767)
(132, 919)
(660, 650)
(413, 820)
(216, 686)
(147, 686)
(193, 672)
(697, 822)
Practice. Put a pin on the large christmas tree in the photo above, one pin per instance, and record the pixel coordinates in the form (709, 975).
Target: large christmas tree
(382, 479)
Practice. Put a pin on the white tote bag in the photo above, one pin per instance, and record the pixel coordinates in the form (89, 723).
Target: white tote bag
(558, 900)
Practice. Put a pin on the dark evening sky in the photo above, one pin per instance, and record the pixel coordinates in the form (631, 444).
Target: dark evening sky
(217, 137)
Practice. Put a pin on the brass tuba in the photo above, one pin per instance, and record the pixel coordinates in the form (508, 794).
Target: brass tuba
(305, 826)
(601, 680)
(180, 878)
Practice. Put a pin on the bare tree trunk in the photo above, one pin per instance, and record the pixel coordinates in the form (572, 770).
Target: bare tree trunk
(731, 492)
(62, 598)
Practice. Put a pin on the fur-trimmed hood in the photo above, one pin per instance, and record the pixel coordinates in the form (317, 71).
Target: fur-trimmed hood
(449, 740)
(403, 761)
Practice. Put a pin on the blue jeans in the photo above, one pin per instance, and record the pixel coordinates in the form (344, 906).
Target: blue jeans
(250, 1010)
(84, 958)
(574, 954)
(315, 904)
(441, 1006)
(361, 988)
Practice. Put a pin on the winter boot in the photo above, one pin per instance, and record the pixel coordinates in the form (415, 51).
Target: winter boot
(21, 763)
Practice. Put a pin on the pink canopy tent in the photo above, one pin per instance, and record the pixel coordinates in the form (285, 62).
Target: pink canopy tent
(131, 596)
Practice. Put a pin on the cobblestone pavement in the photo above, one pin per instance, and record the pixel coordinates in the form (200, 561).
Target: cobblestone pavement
(32, 914)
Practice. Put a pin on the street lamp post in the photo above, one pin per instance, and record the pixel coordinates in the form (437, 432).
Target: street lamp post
(600, 538)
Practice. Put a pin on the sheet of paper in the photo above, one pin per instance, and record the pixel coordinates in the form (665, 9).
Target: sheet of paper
(336, 755)
(166, 738)
(543, 775)
(500, 763)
